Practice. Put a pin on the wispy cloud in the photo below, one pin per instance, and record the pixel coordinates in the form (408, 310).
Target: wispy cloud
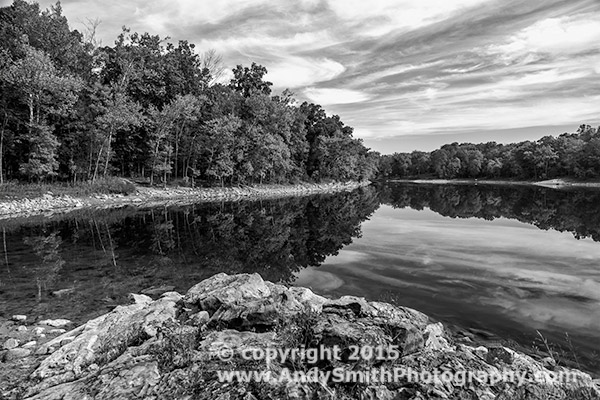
(328, 96)
(398, 68)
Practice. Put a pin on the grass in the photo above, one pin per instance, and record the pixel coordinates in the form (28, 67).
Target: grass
(14, 190)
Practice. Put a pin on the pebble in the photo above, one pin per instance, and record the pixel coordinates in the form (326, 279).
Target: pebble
(39, 330)
(200, 318)
(481, 351)
(549, 363)
(57, 323)
(14, 354)
(11, 344)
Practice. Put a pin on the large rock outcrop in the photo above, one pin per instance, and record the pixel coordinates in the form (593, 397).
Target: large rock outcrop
(173, 348)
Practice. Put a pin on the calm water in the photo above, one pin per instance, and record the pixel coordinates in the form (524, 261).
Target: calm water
(508, 260)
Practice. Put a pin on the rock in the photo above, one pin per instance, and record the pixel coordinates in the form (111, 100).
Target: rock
(21, 328)
(549, 363)
(39, 330)
(481, 352)
(14, 354)
(170, 348)
(200, 318)
(220, 289)
(57, 323)
(499, 355)
(139, 298)
(57, 331)
(10, 344)
(30, 344)
(66, 340)
(157, 290)
(18, 318)
(436, 340)
(105, 337)
(63, 292)
(247, 302)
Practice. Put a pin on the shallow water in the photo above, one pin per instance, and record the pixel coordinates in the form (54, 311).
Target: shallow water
(508, 260)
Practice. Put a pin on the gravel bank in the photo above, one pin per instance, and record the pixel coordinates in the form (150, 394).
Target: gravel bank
(146, 196)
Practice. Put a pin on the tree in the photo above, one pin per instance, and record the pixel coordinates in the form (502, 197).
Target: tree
(220, 144)
(248, 81)
(47, 94)
(169, 123)
(120, 113)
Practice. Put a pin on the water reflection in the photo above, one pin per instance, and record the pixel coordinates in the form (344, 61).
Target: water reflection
(504, 259)
(487, 267)
(98, 258)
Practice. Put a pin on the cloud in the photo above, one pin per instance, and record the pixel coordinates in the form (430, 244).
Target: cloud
(328, 96)
(557, 36)
(294, 72)
(380, 17)
(402, 67)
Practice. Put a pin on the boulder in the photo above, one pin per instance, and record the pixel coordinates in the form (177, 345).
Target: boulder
(171, 348)
(222, 289)
(101, 339)
(247, 302)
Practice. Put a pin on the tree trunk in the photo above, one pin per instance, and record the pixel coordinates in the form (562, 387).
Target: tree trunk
(30, 114)
(110, 133)
(97, 163)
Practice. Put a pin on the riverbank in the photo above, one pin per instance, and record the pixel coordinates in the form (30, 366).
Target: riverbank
(554, 183)
(182, 346)
(153, 196)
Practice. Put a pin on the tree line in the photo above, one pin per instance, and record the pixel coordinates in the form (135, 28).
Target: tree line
(72, 109)
(574, 155)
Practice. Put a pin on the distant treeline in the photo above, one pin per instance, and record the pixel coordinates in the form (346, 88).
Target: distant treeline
(574, 155)
(72, 109)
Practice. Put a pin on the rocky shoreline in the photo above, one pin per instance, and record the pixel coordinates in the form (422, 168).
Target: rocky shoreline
(152, 196)
(173, 347)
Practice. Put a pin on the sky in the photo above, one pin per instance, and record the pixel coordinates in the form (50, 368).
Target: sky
(406, 74)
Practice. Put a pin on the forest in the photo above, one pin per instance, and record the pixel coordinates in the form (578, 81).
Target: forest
(575, 155)
(72, 110)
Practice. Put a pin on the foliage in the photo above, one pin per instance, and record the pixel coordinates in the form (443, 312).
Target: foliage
(145, 107)
(574, 155)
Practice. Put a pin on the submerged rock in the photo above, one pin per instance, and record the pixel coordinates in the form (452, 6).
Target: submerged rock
(174, 348)
(56, 323)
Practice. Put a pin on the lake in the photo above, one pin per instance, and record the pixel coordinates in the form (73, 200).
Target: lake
(495, 262)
